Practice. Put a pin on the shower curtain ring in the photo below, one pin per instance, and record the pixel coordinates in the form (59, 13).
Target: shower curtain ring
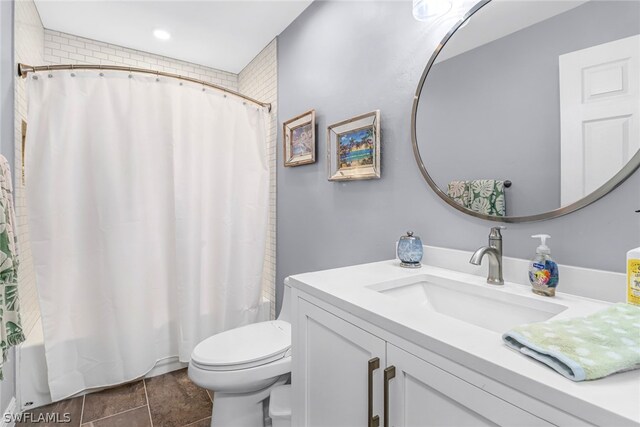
(157, 75)
(72, 73)
(49, 70)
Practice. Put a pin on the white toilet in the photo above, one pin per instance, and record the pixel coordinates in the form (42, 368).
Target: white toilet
(242, 365)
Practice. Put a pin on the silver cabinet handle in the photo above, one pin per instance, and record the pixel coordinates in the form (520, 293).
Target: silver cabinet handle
(389, 374)
(373, 421)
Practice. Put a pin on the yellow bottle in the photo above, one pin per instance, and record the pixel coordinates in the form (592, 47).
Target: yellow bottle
(633, 276)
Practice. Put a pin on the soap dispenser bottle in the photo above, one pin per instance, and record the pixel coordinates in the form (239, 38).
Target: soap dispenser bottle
(543, 271)
(633, 276)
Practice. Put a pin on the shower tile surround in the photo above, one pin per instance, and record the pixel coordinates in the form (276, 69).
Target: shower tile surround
(29, 48)
(37, 45)
(259, 80)
(62, 48)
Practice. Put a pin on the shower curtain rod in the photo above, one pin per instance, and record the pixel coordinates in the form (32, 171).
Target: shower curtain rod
(24, 70)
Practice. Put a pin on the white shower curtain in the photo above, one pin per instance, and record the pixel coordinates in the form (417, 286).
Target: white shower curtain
(148, 205)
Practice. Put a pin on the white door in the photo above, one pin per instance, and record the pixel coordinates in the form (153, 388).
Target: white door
(423, 395)
(331, 370)
(599, 108)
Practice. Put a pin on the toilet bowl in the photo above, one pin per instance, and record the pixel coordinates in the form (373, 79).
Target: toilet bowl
(242, 365)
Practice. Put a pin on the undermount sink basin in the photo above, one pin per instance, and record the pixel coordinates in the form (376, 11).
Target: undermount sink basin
(489, 308)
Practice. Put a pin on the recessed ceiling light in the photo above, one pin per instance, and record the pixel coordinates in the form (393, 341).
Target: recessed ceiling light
(161, 34)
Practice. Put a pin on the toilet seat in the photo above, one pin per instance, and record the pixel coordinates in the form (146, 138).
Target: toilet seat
(245, 347)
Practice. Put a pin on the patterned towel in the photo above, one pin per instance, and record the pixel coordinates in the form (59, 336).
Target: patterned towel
(10, 326)
(459, 192)
(584, 348)
(484, 196)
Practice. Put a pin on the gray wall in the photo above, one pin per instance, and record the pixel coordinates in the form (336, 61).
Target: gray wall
(8, 385)
(513, 82)
(347, 58)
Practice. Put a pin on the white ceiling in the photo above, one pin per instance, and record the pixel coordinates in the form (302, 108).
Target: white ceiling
(225, 35)
(501, 18)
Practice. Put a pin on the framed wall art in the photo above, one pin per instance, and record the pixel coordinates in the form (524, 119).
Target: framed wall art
(353, 148)
(299, 139)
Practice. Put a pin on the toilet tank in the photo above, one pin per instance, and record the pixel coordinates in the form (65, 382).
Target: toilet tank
(286, 303)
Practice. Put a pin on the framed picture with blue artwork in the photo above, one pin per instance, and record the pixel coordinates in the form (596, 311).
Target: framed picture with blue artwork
(299, 139)
(353, 148)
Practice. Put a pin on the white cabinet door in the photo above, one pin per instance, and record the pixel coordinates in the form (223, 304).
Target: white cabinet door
(600, 114)
(331, 370)
(423, 395)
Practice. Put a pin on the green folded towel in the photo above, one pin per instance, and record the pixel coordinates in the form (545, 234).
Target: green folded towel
(459, 192)
(584, 348)
(485, 196)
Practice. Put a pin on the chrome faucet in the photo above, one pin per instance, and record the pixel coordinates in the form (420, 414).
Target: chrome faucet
(494, 251)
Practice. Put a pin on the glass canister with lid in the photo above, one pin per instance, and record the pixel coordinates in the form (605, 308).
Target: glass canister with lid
(410, 250)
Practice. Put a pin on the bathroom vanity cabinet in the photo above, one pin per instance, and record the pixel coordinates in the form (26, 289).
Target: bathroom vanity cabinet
(369, 350)
(332, 379)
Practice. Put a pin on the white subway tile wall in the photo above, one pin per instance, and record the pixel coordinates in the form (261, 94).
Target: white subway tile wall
(38, 46)
(62, 48)
(259, 80)
(29, 49)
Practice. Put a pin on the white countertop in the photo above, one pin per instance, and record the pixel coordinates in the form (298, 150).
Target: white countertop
(611, 401)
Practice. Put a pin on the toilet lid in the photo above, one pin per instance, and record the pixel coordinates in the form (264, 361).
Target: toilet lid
(244, 347)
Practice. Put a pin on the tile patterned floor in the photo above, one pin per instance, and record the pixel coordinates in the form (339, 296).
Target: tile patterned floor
(169, 400)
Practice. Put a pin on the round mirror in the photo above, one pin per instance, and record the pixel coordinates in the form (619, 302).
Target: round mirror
(529, 110)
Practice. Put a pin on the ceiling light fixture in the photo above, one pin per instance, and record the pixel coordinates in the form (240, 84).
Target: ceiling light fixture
(424, 10)
(161, 34)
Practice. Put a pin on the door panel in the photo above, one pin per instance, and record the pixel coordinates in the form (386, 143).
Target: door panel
(600, 109)
(423, 395)
(426, 406)
(333, 370)
(606, 149)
